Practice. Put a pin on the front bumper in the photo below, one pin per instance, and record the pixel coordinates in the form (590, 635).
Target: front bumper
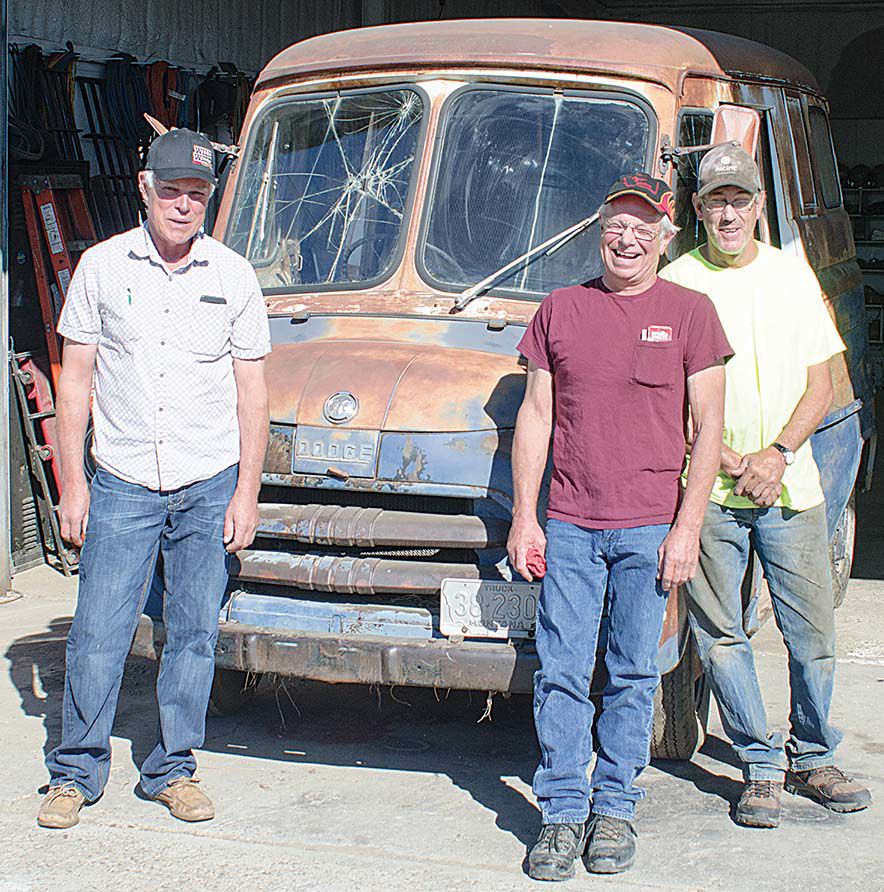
(432, 663)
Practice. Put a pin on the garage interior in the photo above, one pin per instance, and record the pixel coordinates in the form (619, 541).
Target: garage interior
(81, 75)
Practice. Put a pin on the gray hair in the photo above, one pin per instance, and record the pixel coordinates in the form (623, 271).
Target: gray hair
(151, 179)
(667, 227)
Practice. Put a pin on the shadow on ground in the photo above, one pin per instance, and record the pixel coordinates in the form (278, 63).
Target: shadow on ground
(288, 720)
(703, 779)
(416, 730)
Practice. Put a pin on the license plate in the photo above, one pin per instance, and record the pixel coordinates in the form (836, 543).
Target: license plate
(484, 609)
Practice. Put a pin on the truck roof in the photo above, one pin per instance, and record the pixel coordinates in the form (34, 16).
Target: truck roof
(648, 52)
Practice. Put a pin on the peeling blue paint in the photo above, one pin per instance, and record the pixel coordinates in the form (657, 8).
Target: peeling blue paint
(474, 458)
(837, 450)
(297, 615)
(466, 334)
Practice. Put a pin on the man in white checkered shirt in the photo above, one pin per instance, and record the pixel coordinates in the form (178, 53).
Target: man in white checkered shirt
(170, 327)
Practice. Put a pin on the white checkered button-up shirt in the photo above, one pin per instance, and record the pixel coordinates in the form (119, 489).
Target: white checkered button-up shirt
(164, 408)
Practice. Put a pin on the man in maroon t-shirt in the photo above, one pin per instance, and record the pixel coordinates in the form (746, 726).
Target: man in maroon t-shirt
(616, 362)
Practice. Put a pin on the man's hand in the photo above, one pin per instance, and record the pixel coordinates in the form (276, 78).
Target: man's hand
(759, 475)
(240, 521)
(677, 557)
(731, 462)
(73, 512)
(525, 534)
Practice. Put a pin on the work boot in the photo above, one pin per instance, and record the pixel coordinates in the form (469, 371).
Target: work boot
(830, 787)
(186, 801)
(759, 804)
(554, 855)
(611, 845)
(60, 808)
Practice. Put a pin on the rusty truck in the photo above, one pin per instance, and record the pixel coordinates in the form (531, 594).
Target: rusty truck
(386, 176)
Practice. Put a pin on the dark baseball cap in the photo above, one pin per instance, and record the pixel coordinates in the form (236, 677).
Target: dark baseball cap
(727, 165)
(655, 192)
(182, 153)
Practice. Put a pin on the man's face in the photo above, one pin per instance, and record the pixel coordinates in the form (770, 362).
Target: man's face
(631, 242)
(729, 215)
(175, 208)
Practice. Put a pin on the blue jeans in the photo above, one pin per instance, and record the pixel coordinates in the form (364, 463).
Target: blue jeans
(793, 547)
(581, 565)
(129, 525)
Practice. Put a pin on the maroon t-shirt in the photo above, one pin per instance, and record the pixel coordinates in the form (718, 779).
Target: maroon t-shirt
(619, 367)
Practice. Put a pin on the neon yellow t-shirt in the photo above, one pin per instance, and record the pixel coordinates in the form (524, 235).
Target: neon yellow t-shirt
(773, 315)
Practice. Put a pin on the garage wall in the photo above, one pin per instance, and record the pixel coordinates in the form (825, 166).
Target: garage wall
(840, 41)
(199, 32)
(203, 32)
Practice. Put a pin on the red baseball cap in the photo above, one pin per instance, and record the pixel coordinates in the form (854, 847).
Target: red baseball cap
(655, 192)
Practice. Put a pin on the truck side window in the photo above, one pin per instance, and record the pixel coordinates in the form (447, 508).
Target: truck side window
(695, 129)
(801, 155)
(824, 158)
(769, 225)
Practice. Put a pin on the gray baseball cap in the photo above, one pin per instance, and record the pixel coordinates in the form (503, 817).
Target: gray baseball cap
(179, 154)
(727, 165)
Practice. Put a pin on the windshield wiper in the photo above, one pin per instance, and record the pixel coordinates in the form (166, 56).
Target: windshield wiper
(550, 246)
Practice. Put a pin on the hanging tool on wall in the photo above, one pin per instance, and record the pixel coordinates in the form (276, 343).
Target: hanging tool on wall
(164, 93)
(127, 99)
(59, 229)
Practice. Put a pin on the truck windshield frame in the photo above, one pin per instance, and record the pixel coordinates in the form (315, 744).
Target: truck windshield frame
(329, 214)
(486, 249)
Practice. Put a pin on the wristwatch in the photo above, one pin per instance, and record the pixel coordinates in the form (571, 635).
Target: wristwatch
(786, 452)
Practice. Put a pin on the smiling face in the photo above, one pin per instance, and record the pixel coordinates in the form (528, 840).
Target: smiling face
(175, 209)
(729, 215)
(631, 244)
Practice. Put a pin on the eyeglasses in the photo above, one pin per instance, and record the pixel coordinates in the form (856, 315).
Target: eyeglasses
(740, 204)
(642, 233)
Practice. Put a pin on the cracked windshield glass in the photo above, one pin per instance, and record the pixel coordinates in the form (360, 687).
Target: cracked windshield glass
(324, 188)
(516, 169)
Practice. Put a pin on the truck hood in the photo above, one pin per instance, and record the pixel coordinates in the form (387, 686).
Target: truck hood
(399, 386)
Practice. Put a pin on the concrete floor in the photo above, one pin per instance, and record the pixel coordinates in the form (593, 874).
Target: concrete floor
(342, 788)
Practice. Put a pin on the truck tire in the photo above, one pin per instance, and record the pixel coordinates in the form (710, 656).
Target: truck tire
(841, 550)
(681, 710)
(231, 691)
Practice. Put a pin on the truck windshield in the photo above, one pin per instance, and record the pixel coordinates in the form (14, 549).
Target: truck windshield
(516, 168)
(323, 189)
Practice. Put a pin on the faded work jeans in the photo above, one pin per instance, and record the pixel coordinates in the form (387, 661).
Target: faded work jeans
(129, 525)
(581, 565)
(793, 547)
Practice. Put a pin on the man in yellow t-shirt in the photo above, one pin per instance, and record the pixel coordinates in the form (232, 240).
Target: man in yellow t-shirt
(778, 390)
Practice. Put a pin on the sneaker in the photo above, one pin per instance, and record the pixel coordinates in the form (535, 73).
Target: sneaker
(830, 787)
(60, 808)
(611, 845)
(554, 855)
(759, 804)
(186, 801)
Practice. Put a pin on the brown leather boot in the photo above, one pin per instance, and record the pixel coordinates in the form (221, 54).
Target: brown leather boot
(186, 801)
(60, 808)
(830, 787)
(759, 804)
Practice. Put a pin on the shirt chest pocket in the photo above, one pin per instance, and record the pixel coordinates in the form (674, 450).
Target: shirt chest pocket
(657, 364)
(121, 324)
(206, 330)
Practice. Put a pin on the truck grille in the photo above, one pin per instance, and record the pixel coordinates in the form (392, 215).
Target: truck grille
(389, 501)
(364, 543)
